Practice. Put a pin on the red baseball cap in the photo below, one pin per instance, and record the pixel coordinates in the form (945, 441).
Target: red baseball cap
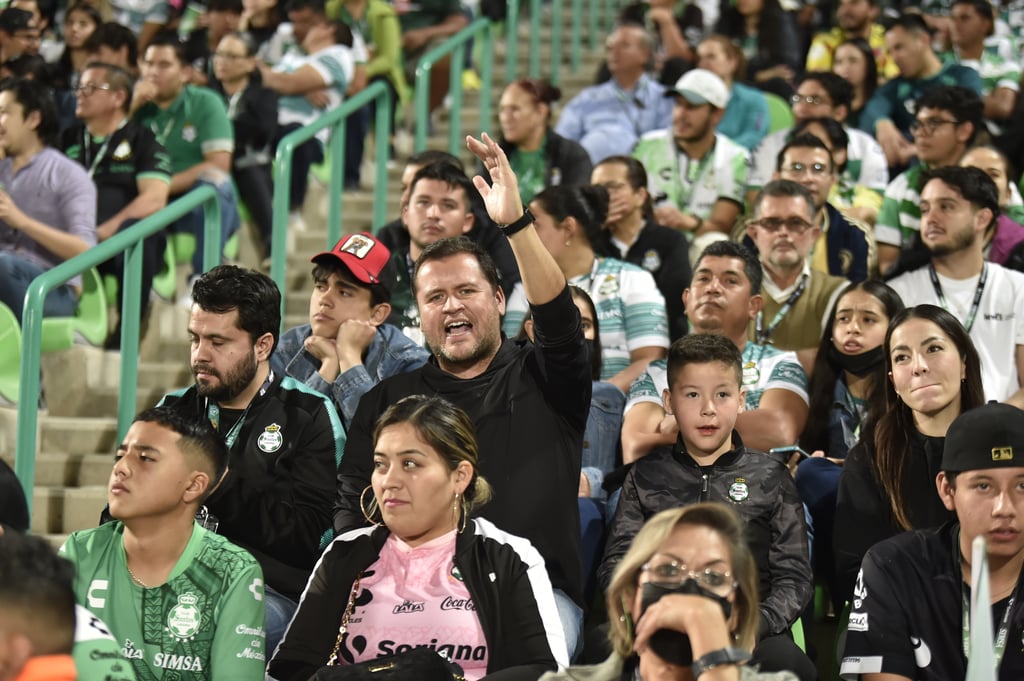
(363, 255)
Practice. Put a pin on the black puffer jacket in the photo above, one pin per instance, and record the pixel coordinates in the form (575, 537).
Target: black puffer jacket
(757, 486)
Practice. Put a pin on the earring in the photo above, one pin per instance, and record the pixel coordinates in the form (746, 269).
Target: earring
(459, 508)
(373, 507)
(568, 242)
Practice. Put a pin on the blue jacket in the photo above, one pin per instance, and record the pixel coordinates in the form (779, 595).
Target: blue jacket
(390, 353)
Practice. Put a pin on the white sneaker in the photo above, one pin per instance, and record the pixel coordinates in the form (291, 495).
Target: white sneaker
(186, 299)
(296, 221)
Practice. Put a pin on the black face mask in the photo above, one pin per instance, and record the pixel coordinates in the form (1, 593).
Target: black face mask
(668, 644)
(858, 365)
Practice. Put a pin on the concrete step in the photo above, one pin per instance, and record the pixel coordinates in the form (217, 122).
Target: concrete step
(77, 434)
(73, 470)
(63, 510)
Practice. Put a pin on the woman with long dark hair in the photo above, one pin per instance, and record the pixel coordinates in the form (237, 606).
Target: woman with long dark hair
(855, 62)
(888, 481)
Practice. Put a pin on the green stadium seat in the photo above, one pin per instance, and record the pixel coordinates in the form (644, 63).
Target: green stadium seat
(780, 116)
(10, 356)
(90, 324)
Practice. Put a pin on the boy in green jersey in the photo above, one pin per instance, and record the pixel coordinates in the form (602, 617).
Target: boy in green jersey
(183, 602)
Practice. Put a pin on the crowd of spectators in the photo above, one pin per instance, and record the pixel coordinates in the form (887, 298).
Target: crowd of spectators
(772, 259)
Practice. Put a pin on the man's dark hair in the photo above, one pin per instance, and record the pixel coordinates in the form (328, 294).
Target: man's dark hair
(117, 78)
(13, 509)
(35, 96)
(30, 66)
(198, 439)
(964, 104)
(835, 132)
(973, 184)
(342, 32)
(730, 249)
(911, 22)
(804, 141)
(982, 7)
(114, 36)
(785, 189)
(839, 90)
(636, 175)
(703, 348)
(318, 6)
(446, 248)
(452, 176)
(37, 593)
(229, 6)
(324, 267)
(168, 38)
(253, 294)
(428, 156)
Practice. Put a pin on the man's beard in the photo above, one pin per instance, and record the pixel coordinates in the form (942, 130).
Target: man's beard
(960, 242)
(237, 380)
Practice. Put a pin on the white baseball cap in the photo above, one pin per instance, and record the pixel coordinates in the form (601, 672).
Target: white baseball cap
(700, 86)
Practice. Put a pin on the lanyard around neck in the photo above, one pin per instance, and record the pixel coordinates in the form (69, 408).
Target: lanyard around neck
(978, 291)
(101, 152)
(213, 413)
(761, 334)
(1002, 633)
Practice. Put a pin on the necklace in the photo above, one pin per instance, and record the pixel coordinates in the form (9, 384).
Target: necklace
(135, 577)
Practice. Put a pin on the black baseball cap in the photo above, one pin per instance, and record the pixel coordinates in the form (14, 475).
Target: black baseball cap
(989, 436)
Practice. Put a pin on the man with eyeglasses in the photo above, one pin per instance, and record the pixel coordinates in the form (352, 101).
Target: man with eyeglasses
(958, 206)
(944, 127)
(18, 33)
(887, 114)
(846, 247)
(130, 168)
(822, 94)
(695, 175)
(797, 298)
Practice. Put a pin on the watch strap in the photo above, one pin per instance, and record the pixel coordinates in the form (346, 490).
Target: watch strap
(520, 224)
(717, 658)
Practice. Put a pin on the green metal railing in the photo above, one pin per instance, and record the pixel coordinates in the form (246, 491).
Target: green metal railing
(337, 120)
(130, 243)
(453, 46)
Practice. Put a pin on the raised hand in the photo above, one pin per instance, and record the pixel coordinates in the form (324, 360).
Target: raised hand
(501, 198)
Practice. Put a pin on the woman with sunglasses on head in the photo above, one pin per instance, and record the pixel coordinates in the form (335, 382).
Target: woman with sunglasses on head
(682, 604)
(539, 156)
(425, 574)
(888, 481)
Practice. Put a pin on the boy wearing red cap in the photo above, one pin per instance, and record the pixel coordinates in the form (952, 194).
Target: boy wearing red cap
(347, 348)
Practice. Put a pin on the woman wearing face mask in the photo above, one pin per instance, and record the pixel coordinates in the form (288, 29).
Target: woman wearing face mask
(682, 603)
(888, 481)
(462, 586)
(848, 378)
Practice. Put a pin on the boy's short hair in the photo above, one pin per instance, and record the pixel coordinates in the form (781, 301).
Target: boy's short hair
(703, 348)
(37, 593)
(198, 440)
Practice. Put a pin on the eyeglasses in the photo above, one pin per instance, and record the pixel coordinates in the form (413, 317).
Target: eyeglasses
(929, 125)
(228, 55)
(808, 99)
(792, 225)
(671, 572)
(91, 88)
(815, 169)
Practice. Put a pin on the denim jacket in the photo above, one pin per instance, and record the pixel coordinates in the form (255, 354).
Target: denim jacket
(844, 423)
(390, 353)
(601, 439)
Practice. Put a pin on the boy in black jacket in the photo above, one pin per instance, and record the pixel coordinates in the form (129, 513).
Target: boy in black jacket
(710, 463)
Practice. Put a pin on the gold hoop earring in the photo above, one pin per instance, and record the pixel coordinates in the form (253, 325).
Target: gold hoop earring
(465, 514)
(373, 507)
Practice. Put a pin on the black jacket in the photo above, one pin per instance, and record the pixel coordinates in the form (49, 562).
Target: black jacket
(275, 501)
(863, 514)
(565, 161)
(665, 253)
(757, 486)
(529, 409)
(504, 575)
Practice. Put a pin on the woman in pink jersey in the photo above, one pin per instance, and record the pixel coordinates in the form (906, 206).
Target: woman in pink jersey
(425, 574)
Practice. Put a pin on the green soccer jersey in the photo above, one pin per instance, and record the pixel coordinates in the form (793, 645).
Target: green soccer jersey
(206, 623)
(195, 124)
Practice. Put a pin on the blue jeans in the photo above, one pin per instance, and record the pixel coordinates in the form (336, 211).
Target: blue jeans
(280, 610)
(572, 621)
(16, 274)
(193, 222)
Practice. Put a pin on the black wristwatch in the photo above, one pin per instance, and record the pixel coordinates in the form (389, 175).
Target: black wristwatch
(520, 224)
(717, 658)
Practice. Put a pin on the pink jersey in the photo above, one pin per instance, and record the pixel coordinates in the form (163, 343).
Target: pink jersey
(415, 597)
